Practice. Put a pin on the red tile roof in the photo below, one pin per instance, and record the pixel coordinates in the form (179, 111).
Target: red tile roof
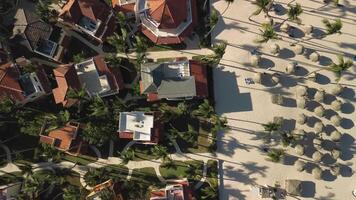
(199, 71)
(9, 84)
(129, 7)
(92, 9)
(67, 78)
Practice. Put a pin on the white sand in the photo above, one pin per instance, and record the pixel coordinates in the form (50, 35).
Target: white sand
(247, 106)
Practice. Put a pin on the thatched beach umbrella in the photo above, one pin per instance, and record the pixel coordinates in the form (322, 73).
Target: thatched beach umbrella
(319, 127)
(300, 165)
(274, 48)
(319, 111)
(257, 77)
(335, 136)
(313, 76)
(314, 57)
(290, 69)
(307, 29)
(337, 89)
(319, 96)
(298, 49)
(302, 90)
(299, 132)
(336, 153)
(336, 105)
(317, 173)
(275, 79)
(285, 27)
(317, 156)
(301, 118)
(317, 143)
(335, 170)
(268, 20)
(336, 120)
(255, 60)
(299, 149)
(301, 102)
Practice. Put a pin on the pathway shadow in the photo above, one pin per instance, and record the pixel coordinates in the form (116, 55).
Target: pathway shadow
(286, 53)
(347, 108)
(322, 79)
(229, 147)
(229, 103)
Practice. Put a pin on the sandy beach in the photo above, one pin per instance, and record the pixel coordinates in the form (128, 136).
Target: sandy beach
(248, 106)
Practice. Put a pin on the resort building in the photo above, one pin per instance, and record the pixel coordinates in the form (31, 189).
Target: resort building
(177, 190)
(140, 126)
(176, 80)
(92, 17)
(38, 37)
(22, 87)
(66, 138)
(162, 21)
(93, 75)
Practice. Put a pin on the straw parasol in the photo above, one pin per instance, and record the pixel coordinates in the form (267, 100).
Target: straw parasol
(301, 90)
(307, 29)
(298, 49)
(335, 170)
(275, 79)
(300, 165)
(257, 77)
(319, 127)
(301, 118)
(274, 48)
(299, 149)
(255, 60)
(290, 69)
(317, 156)
(268, 20)
(277, 99)
(336, 153)
(285, 27)
(299, 132)
(319, 95)
(313, 76)
(317, 143)
(314, 57)
(319, 111)
(336, 120)
(335, 136)
(317, 173)
(336, 105)
(337, 89)
(301, 102)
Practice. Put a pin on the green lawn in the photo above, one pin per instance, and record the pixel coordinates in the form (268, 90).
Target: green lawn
(81, 159)
(180, 169)
(146, 176)
(114, 172)
(143, 152)
(212, 169)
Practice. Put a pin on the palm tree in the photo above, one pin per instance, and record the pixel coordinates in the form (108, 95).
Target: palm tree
(106, 194)
(29, 68)
(161, 152)
(271, 127)
(140, 59)
(229, 2)
(194, 172)
(183, 108)
(26, 170)
(79, 95)
(340, 67)
(57, 120)
(45, 11)
(294, 12)
(213, 20)
(127, 155)
(167, 113)
(98, 108)
(119, 42)
(219, 124)
(204, 110)
(79, 57)
(71, 192)
(262, 6)
(267, 33)
(275, 155)
(141, 44)
(332, 27)
(212, 191)
(114, 62)
(121, 18)
(33, 186)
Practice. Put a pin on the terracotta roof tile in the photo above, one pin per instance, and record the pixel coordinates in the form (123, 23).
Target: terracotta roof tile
(168, 13)
(114, 75)
(199, 71)
(9, 84)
